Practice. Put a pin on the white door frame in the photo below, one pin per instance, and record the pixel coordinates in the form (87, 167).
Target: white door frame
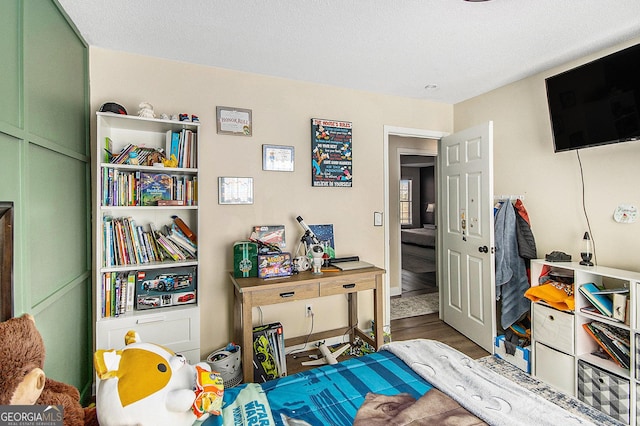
(402, 132)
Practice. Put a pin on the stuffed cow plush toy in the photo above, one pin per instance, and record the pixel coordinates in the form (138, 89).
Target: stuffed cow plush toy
(148, 385)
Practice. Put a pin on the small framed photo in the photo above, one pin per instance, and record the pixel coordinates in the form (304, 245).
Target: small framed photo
(235, 190)
(233, 121)
(277, 158)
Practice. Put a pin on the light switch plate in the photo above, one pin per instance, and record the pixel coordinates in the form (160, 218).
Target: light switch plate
(377, 218)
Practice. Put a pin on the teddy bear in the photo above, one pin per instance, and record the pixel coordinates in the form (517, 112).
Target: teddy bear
(22, 379)
(146, 384)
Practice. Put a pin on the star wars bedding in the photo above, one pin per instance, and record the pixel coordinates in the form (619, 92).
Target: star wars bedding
(409, 382)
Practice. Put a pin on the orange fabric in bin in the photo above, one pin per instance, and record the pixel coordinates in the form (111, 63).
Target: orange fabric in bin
(557, 295)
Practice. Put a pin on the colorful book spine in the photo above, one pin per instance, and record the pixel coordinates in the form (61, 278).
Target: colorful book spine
(601, 301)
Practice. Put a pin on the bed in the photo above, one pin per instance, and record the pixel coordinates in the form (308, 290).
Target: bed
(418, 382)
(425, 236)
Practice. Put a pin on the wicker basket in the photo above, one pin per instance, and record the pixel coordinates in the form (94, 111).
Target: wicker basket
(228, 364)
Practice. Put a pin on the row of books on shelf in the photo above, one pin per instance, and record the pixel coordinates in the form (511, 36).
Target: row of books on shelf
(182, 146)
(123, 292)
(127, 243)
(135, 188)
(179, 145)
(612, 342)
(132, 154)
(611, 304)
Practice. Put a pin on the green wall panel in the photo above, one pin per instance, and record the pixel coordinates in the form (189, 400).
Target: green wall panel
(57, 220)
(10, 63)
(9, 168)
(65, 334)
(44, 170)
(54, 77)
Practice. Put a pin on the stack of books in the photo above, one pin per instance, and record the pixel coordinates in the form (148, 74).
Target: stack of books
(126, 243)
(613, 341)
(610, 304)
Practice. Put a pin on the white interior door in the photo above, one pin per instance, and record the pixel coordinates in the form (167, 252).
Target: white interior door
(466, 272)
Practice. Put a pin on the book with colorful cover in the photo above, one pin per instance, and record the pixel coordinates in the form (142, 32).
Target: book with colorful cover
(155, 187)
(601, 301)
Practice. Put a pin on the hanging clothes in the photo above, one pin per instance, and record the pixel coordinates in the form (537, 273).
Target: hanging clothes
(526, 241)
(511, 272)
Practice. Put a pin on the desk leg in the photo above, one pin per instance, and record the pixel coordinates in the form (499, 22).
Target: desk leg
(377, 312)
(352, 299)
(244, 334)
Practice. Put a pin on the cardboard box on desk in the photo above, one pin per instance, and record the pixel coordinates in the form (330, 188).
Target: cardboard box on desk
(245, 259)
(521, 359)
(273, 265)
(160, 288)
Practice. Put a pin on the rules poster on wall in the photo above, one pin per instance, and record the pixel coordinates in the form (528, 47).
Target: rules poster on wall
(331, 153)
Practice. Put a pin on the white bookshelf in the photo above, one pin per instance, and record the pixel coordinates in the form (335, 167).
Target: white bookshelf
(177, 327)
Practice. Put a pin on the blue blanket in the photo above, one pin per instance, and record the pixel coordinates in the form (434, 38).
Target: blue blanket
(424, 376)
(329, 395)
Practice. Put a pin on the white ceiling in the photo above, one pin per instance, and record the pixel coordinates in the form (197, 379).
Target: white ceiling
(390, 47)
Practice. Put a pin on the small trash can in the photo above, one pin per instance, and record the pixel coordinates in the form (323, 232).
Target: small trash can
(228, 362)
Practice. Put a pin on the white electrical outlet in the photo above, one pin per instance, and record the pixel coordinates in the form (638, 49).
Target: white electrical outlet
(307, 310)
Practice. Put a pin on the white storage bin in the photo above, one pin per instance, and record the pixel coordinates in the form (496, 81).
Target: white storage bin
(555, 368)
(554, 328)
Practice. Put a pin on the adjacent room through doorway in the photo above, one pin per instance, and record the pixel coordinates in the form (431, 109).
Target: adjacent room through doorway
(419, 290)
(412, 194)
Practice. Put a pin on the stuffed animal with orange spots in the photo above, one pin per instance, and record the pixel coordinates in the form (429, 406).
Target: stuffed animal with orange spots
(149, 385)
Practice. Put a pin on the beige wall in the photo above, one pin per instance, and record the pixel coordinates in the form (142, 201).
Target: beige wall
(282, 110)
(524, 163)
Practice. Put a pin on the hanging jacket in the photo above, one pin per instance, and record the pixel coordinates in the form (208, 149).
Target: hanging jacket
(526, 241)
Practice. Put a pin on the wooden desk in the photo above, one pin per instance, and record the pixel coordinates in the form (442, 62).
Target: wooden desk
(250, 292)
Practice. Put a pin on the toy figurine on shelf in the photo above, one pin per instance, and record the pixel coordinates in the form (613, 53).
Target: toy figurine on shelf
(146, 110)
(170, 162)
(133, 158)
(318, 258)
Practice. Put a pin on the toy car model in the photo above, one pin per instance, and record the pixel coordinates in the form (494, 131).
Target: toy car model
(160, 283)
(264, 356)
(186, 297)
(151, 301)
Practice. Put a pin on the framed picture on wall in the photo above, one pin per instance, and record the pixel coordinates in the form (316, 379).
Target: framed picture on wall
(277, 158)
(235, 190)
(233, 121)
(331, 156)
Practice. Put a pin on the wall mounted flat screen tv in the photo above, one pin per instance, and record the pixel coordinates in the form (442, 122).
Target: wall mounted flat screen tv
(597, 103)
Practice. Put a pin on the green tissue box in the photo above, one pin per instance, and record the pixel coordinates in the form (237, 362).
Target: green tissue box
(245, 259)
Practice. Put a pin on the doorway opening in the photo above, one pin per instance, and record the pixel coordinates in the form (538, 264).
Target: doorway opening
(417, 149)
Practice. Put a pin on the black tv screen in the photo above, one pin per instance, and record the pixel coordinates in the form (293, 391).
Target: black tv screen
(597, 103)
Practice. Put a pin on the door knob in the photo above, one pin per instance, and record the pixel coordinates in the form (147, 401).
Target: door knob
(483, 249)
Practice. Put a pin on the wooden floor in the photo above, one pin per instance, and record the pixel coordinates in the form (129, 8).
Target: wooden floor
(424, 327)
